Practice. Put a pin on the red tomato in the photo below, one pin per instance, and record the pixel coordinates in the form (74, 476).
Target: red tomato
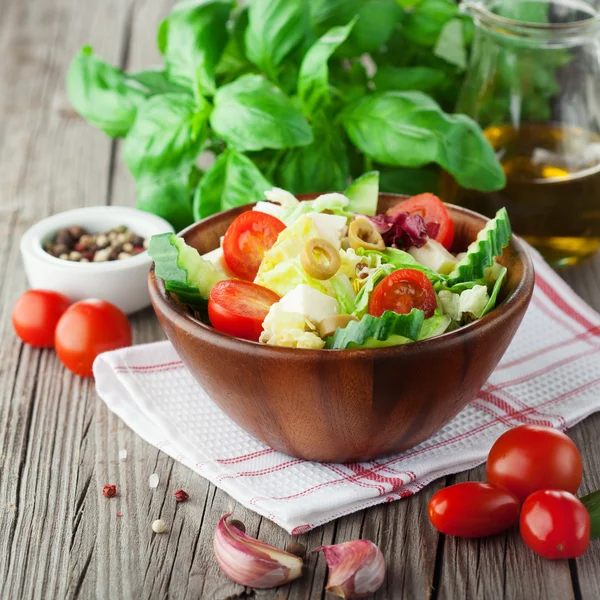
(555, 524)
(87, 329)
(473, 509)
(433, 210)
(532, 457)
(36, 314)
(240, 307)
(246, 241)
(401, 291)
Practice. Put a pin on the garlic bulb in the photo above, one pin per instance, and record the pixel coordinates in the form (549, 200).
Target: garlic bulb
(252, 563)
(356, 569)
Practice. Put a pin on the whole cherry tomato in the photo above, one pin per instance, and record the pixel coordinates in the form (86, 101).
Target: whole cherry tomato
(473, 509)
(240, 307)
(433, 210)
(555, 524)
(36, 314)
(533, 457)
(246, 241)
(87, 329)
(401, 291)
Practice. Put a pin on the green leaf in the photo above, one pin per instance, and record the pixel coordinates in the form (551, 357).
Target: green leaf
(423, 79)
(197, 34)
(275, 29)
(319, 167)
(362, 298)
(251, 114)
(313, 80)
(161, 36)
(168, 197)
(155, 81)
(411, 181)
(592, 505)
(102, 94)
(232, 181)
(377, 20)
(424, 24)
(409, 129)
(168, 134)
(408, 3)
(495, 291)
(233, 61)
(450, 45)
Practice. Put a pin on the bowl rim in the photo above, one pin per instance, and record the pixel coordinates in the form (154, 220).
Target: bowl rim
(31, 241)
(508, 308)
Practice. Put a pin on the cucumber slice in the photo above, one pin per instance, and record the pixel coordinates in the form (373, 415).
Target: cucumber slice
(391, 329)
(363, 194)
(183, 270)
(490, 242)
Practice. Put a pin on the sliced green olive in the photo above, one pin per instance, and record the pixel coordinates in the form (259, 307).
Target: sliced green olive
(320, 259)
(328, 325)
(362, 234)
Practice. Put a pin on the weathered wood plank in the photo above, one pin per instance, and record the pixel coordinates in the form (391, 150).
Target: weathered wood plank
(585, 279)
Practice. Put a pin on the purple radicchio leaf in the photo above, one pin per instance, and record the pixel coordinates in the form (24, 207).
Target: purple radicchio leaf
(404, 230)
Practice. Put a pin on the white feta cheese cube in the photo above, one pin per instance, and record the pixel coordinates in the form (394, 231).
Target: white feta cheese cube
(434, 256)
(330, 227)
(312, 304)
(217, 258)
(269, 208)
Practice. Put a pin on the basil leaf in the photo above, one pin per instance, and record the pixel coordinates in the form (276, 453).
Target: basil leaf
(233, 180)
(313, 80)
(197, 34)
(275, 28)
(376, 22)
(409, 129)
(168, 134)
(320, 167)
(424, 24)
(161, 36)
(155, 81)
(168, 197)
(102, 94)
(233, 61)
(423, 79)
(251, 114)
(450, 45)
(410, 181)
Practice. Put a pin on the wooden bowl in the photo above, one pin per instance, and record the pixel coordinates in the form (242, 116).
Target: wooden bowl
(346, 405)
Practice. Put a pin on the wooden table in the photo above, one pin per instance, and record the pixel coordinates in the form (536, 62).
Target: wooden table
(59, 444)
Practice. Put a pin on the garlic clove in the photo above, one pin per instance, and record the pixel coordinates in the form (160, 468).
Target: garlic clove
(250, 562)
(356, 568)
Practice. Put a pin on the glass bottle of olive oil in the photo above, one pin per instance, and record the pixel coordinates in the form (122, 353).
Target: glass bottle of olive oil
(534, 86)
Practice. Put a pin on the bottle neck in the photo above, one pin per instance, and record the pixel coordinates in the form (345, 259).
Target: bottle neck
(537, 23)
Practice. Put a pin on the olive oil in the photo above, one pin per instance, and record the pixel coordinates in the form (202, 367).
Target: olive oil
(553, 188)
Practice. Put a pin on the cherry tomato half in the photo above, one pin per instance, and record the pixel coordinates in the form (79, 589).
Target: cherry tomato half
(246, 241)
(401, 291)
(533, 457)
(555, 524)
(36, 314)
(240, 307)
(87, 329)
(473, 509)
(433, 210)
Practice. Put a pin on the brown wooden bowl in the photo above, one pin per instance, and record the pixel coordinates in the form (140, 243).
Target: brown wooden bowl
(346, 405)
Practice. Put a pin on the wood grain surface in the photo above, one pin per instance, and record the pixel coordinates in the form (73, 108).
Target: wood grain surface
(59, 537)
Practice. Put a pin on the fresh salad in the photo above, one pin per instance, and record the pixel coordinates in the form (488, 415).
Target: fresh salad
(331, 273)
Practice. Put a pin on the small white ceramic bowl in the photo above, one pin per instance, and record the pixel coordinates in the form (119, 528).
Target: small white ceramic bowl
(122, 282)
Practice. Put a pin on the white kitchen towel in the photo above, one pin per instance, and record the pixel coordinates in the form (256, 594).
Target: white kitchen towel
(550, 375)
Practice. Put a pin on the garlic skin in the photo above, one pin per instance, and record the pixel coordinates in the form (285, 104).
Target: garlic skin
(356, 568)
(252, 563)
